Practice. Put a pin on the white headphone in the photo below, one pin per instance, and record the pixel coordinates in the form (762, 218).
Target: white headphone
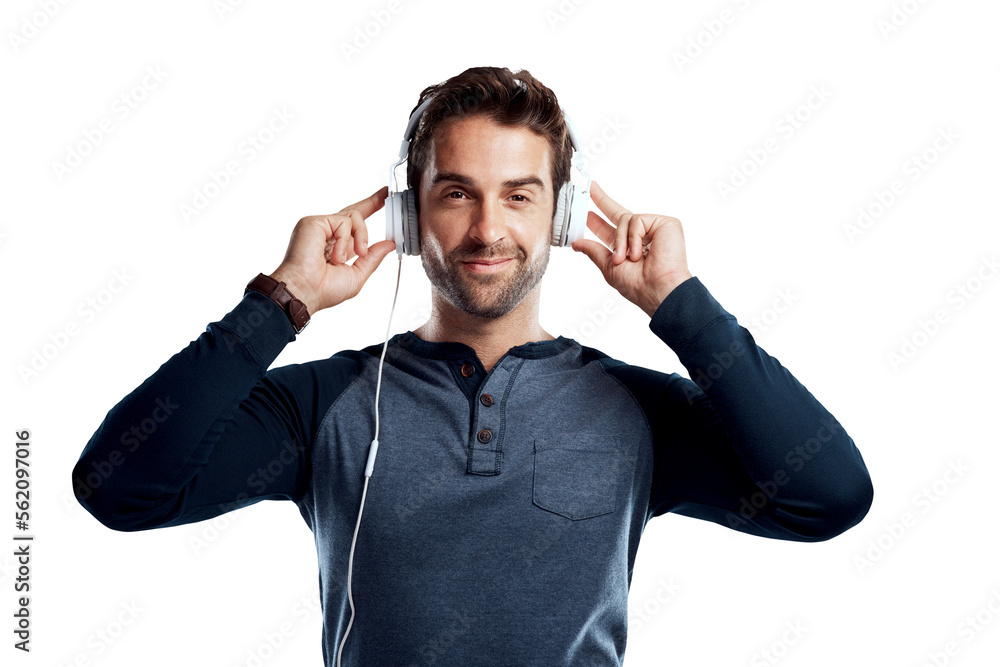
(568, 223)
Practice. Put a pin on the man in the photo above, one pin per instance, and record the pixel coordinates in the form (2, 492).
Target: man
(516, 470)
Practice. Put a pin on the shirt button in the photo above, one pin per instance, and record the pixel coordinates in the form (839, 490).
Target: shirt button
(468, 370)
(486, 400)
(484, 436)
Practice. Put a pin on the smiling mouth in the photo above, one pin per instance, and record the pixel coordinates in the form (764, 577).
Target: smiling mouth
(486, 266)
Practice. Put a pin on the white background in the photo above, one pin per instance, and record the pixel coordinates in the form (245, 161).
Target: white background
(208, 593)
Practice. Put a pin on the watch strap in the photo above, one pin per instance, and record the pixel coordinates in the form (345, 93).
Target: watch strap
(294, 309)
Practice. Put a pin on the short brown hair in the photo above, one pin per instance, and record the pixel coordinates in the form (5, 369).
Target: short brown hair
(505, 97)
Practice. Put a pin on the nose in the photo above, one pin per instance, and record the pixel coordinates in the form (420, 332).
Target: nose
(488, 224)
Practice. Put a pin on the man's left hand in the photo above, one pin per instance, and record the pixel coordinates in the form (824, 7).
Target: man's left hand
(646, 260)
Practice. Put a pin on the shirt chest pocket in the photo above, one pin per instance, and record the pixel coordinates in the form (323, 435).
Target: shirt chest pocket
(579, 476)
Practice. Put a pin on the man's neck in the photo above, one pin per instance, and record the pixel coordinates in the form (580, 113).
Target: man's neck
(490, 337)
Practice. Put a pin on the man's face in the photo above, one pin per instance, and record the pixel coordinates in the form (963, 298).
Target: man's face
(485, 214)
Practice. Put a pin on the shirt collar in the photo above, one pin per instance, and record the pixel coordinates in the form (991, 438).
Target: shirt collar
(454, 350)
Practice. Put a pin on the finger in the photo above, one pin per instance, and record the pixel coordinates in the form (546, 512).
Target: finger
(608, 206)
(361, 240)
(341, 238)
(369, 205)
(617, 214)
(637, 231)
(619, 246)
(311, 232)
(359, 230)
(601, 228)
(331, 246)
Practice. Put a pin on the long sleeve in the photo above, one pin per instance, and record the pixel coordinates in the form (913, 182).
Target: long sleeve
(743, 443)
(211, 430)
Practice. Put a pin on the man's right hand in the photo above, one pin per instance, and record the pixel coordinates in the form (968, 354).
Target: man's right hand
(315, 267)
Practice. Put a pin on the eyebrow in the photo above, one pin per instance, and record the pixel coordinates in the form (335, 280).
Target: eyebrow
(442, 176)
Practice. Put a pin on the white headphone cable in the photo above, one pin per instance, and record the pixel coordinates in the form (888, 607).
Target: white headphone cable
(370, 465)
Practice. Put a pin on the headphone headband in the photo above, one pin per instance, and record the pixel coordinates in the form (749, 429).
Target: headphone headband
(411, 127)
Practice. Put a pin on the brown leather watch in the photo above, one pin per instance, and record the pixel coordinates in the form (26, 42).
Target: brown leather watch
(296, 311)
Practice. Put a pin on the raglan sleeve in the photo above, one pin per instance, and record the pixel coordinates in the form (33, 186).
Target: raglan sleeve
(209, 432)
(743, 443)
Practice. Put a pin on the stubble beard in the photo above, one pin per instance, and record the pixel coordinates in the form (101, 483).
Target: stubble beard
(487, 295)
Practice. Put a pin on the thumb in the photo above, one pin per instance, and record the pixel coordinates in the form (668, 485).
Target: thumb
(376, 253)
(597, 253)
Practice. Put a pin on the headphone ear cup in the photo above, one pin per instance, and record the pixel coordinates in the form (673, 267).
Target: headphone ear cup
(578, 210)
(410, 224)
(560, 221)
(394, 220)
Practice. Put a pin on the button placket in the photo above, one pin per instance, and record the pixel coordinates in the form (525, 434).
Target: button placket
(485, 446)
